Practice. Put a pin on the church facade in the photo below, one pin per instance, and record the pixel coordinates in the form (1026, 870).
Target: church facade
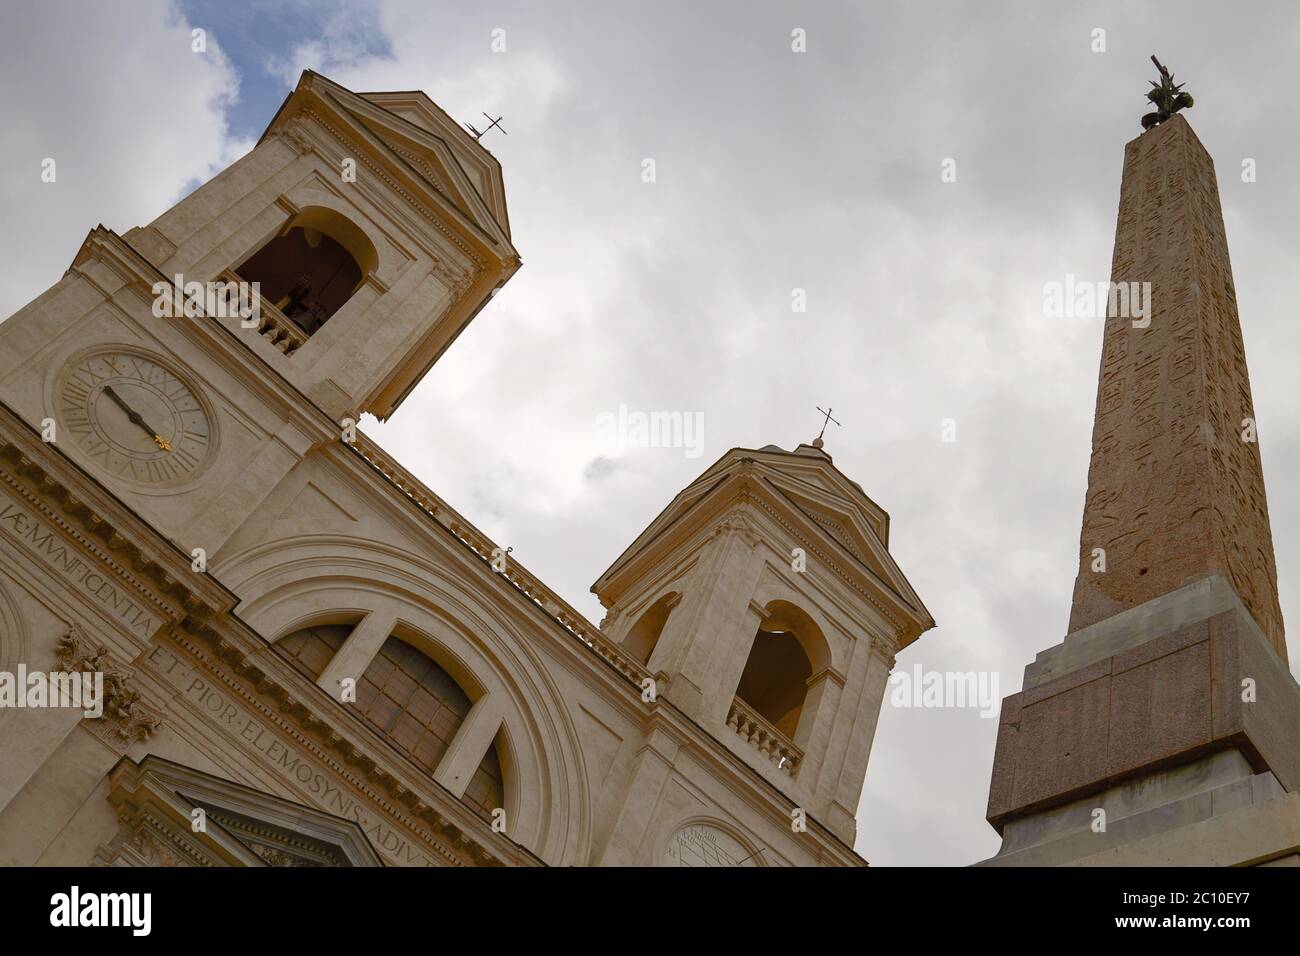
(304, 655)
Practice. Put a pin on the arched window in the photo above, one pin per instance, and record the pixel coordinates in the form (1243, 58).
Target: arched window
(787, 650)
(311, 649)
(313, 266)
(641, 640)
(417, 705)
(408, 698)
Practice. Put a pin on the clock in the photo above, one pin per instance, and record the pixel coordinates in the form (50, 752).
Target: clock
(135, 417)
(699, 844)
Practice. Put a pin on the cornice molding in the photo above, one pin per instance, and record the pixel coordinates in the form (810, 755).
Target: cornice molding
(99, 523)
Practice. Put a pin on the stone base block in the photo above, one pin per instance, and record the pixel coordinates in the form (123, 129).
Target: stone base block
(1165, 818)
(1156, 709)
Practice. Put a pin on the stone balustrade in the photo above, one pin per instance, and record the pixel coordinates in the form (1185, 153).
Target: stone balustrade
(272, 324)
(776, 746)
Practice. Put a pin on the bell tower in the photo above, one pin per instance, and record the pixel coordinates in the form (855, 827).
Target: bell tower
(382, 222)
(766, 603)
(192, 362)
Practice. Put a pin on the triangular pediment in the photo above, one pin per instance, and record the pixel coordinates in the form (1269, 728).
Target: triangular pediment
(842, 524)
(158, 802)
(420, 138)
(438, 163)
(442, 157)
(476, 164)
(811, 493)
(857, 531)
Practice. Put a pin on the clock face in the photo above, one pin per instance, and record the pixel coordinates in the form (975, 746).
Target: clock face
(133, 417)
(702, 845)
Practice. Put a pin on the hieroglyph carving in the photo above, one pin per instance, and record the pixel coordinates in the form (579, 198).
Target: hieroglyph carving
(1174, 492)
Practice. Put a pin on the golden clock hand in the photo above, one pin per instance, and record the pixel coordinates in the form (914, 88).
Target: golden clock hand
(137, 419)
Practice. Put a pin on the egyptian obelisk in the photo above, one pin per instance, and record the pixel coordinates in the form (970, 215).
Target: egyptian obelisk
(1175, 487)
(1165, 728)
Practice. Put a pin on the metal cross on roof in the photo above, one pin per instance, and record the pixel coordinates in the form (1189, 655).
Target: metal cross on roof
(495, 122)
(817, 442)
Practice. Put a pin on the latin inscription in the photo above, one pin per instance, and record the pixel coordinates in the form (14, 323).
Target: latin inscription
(300, 770)
(87, 574)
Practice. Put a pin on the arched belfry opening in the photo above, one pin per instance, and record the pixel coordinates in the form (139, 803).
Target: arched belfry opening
(788, 649)
(312, 266)
(641, 640)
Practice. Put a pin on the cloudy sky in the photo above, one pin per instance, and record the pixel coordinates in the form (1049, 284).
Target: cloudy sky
(776, 171)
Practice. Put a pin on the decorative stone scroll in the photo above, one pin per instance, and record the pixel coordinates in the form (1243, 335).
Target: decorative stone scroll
(126, 719)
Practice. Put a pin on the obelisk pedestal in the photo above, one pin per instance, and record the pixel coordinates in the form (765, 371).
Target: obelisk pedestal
(1165, 729)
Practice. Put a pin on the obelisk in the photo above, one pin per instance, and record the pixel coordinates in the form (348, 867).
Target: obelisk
(1165, 727)
(1175, 486)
